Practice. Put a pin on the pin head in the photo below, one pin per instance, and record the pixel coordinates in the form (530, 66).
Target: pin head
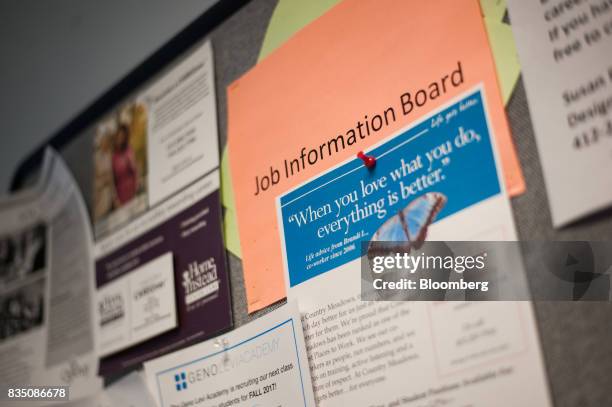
(368, 160)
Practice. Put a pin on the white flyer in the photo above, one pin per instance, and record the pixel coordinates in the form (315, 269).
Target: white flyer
(183, 125)
(565, 51)
(46, 286)
(437, 179)
(263, 363)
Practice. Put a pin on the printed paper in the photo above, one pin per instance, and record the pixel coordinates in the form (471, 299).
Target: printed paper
(442, 175)
(263, 363)
(565, 54)
(137, 306)
(46, 286)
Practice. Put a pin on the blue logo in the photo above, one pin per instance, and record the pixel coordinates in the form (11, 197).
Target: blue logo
(180, 379)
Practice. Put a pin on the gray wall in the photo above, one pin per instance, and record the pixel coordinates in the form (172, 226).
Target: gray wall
(56, 57)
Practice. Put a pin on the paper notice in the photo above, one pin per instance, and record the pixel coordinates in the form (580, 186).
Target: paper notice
(565, 50)
(466, 354)
(47, 286)
(263, 363)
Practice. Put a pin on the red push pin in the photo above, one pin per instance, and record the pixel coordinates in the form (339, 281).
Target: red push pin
(368, 160)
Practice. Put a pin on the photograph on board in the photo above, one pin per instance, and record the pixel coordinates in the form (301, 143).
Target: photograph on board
(22, 255)
(22, 309)
(120, 167)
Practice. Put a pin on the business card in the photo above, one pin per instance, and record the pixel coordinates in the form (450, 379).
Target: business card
(137, 306)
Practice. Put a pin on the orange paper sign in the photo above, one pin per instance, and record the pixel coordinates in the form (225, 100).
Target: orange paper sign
(351, 78)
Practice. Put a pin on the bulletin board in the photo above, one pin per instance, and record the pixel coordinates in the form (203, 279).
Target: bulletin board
(237, 29)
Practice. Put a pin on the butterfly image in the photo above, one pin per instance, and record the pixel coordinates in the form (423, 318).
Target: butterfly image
(409, 227)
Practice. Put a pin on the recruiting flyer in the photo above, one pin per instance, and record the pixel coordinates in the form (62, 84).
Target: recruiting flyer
(160, 266)
(47, 332)
(438, 180)
(263, 363)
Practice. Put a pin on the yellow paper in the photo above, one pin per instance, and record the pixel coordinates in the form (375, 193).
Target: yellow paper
(288, 18)
(493, 9)
(505, 56)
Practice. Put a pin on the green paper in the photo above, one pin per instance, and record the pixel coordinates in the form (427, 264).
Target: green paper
(230, 224)
(227, 191)
(230, 232)
(505, 56)
(289, 17)
(493, 9)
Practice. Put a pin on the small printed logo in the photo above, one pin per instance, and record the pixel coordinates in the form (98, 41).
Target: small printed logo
(111, 308)
(180, 380)
(200, 280)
